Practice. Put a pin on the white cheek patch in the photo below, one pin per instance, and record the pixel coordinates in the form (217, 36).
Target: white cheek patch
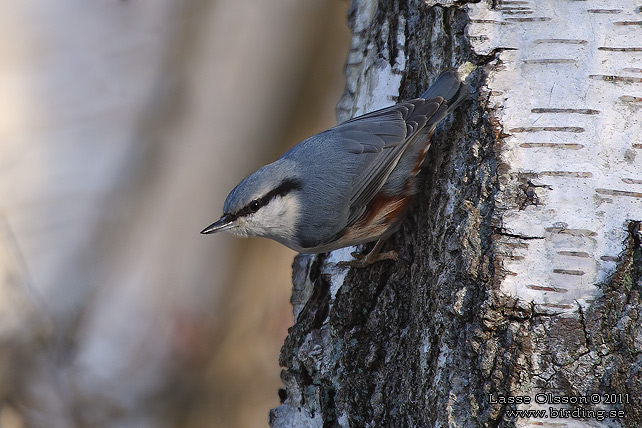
(276, 220)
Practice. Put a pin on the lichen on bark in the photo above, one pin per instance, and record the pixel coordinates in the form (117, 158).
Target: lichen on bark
(395, 344)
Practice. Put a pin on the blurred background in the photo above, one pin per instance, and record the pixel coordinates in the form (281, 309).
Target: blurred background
(123, 126)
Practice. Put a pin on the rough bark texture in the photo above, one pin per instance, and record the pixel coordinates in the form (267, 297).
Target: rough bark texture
(428, 340)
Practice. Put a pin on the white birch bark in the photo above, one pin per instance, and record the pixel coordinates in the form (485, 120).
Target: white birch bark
(567, 93)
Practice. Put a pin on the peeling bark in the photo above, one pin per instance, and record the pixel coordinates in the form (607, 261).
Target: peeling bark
(437, 339)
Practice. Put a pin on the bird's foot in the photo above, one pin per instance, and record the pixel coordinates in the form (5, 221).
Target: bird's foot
(374, 256)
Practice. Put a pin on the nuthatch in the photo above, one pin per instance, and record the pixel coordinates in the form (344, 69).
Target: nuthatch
(345, 186)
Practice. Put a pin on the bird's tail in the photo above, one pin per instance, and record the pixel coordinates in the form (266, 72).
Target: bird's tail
(450, 87)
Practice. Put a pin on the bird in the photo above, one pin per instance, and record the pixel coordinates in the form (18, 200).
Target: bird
(346, 186)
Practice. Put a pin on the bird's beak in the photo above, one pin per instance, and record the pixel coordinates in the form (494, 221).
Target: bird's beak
(223, 223)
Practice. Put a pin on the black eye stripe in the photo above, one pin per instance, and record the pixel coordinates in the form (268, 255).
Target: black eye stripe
(281, 190)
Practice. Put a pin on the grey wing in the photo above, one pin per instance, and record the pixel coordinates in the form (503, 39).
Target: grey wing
(387, 134)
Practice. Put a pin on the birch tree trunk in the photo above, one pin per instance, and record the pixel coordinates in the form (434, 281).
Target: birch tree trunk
(519, 287)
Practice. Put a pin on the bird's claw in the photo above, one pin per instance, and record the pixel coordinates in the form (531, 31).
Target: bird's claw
(365, 260)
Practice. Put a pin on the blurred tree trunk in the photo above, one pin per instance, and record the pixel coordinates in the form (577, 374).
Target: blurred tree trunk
(522, 258)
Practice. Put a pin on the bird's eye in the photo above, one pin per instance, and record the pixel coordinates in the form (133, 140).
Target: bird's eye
(255, 205)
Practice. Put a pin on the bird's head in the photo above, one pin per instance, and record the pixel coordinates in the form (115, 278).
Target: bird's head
(265, 203)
